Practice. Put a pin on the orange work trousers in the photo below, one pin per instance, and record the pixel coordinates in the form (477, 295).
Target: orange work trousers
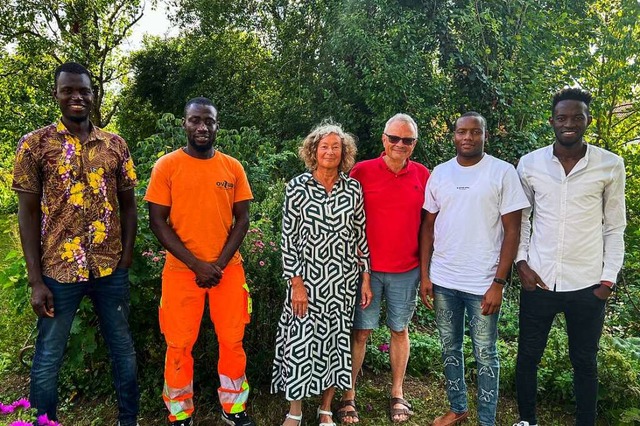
(181, 309)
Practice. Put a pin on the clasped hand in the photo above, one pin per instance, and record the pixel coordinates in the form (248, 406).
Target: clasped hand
(207, 274)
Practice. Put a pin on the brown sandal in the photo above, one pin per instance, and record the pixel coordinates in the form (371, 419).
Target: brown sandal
(406, 411)
(343, 414)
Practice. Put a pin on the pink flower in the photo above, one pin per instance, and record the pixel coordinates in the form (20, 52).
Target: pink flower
(22, 403)
(6, 409)
(261, 263)
(43, 420)
(156, 259)
(20, 423)
(384, 347)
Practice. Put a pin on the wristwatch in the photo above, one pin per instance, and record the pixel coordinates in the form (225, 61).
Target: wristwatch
(500, 281)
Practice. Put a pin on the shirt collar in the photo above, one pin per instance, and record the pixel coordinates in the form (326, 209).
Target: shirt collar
(383, 165)
(95, 134)
(549, 153)
(307, 177)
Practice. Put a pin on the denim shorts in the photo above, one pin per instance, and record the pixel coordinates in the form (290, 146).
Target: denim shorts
(399, 290)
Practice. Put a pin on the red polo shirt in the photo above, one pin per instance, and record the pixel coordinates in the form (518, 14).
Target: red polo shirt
(393, 205)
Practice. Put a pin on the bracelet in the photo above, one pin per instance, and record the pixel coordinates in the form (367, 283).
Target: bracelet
(500, 281)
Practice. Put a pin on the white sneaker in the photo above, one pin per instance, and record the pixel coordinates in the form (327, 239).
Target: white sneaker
(523, 423)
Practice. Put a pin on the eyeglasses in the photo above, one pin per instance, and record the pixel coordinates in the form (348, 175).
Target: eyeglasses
(395, 139)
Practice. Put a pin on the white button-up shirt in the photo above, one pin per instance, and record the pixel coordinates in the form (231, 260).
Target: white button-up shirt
(578, 219)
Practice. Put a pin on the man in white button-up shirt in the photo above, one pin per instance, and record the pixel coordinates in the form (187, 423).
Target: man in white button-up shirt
(570, 260)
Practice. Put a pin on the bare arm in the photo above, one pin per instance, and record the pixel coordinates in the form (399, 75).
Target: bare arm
(237, 234)
(128, 226)
(29, 223)
(426, 250)
(207, 274)
(511, 227)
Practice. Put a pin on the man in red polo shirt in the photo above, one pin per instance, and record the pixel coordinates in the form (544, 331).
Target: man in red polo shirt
(393, 189)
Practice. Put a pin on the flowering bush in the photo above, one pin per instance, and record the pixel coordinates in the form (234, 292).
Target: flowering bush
(20, 413)
(263, 267)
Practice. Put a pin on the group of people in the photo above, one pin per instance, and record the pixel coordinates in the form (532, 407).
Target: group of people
(353, 235)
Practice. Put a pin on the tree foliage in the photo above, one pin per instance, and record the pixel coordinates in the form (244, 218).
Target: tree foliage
(86, 31)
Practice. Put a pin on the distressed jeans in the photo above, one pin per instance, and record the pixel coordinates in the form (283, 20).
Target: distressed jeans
(450, 306)
(110, 297)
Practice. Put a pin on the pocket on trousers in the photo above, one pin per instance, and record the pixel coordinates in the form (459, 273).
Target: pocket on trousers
(595, 296)
(119, 276)
(161, 319)
(248, 304)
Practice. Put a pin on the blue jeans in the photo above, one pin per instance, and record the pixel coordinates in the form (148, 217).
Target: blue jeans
(450, 308)
(110, 297)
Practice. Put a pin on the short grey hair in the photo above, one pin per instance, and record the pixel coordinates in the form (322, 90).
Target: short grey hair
(406, 118)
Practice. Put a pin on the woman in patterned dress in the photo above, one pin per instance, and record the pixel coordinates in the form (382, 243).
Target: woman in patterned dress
(324, 252)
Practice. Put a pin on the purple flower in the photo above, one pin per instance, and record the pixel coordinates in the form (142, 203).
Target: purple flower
(384, 347)
(22, 403)
(6, 409)
(20, 423)
(43, 420)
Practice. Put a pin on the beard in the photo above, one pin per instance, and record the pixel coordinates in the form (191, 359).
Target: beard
(201, 148)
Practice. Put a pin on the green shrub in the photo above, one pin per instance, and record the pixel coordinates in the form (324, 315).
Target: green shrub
(619, 376)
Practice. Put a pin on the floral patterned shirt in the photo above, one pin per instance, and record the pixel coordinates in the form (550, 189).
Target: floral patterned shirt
(78, 185)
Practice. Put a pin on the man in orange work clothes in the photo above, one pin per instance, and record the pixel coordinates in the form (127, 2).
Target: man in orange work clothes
(199, 211)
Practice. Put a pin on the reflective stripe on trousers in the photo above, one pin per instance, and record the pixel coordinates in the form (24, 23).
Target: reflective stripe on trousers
(233, 394)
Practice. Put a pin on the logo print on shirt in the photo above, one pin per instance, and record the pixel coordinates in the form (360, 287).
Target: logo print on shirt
(224, 185)
(462, 188)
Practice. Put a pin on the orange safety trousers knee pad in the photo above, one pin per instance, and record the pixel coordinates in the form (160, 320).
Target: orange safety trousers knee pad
(180, 313)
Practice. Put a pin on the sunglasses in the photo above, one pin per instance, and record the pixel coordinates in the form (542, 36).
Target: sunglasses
(395, 139)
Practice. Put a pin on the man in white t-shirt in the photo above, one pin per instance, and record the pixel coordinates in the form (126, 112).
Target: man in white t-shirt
(468, 241)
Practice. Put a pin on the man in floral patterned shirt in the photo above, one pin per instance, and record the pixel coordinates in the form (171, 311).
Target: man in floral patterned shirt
(77, 182)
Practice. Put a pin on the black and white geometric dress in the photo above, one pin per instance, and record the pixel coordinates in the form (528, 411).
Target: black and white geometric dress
(321, 236)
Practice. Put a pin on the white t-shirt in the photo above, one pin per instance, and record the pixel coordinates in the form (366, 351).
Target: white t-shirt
(470, 202)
